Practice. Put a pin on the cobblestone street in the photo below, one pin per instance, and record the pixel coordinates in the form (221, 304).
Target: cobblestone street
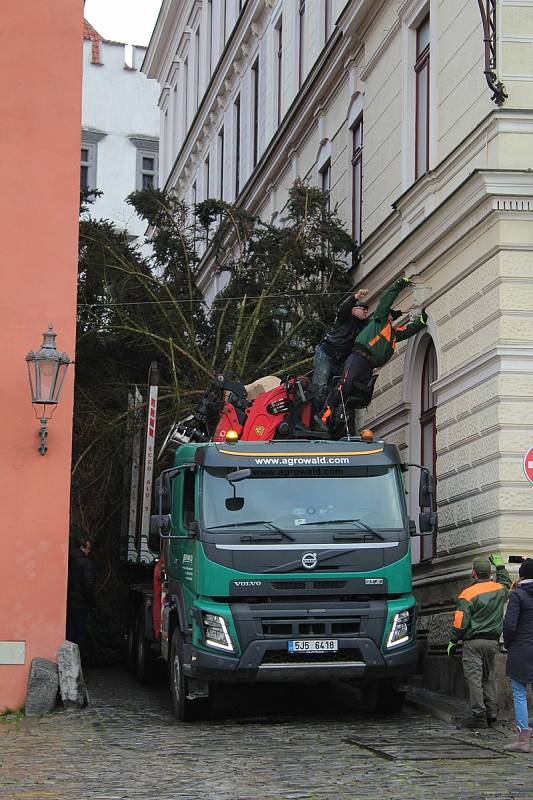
(270, 743)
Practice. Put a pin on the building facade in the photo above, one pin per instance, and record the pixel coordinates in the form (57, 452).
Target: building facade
(387, 105)
(40, 105)
(120, 129)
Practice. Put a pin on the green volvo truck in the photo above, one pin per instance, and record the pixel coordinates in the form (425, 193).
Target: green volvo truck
(281, 561)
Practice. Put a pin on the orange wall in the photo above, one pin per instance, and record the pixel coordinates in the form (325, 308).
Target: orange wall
(40, 107)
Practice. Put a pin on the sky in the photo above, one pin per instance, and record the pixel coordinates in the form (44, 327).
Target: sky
(129, 21)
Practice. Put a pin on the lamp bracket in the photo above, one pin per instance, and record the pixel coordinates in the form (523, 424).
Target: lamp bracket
(487, 9)
(43, 435)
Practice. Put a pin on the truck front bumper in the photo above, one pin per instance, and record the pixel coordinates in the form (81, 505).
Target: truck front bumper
(267, 660)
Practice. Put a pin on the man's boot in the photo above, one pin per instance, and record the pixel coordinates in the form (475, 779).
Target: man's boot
(475, 722)
(521, 743)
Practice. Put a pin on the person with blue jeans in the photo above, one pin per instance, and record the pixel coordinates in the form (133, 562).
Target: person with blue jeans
(337, 343)
(518, 639)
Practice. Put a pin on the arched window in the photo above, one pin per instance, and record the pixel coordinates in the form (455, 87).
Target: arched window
(428, 431)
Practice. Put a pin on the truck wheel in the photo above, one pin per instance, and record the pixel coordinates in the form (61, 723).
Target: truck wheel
(144, 666)
(369, 692)
(390, 700)
(185, 710)
(131, 641)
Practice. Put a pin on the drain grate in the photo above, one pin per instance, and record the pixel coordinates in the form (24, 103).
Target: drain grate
(430, 748)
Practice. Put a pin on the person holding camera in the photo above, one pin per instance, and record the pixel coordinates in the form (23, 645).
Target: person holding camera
(478, 624)
(518, 640)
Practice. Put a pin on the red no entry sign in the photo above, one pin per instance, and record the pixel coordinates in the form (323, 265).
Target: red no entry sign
(528, 465)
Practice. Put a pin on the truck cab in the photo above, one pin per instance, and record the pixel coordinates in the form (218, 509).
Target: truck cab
(284, 560)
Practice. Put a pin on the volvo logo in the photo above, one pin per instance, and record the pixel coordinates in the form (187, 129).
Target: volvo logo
(309, 560)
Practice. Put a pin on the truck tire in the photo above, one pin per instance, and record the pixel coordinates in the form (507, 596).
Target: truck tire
(144, 661)
(390, 700)
(131, 640)
(185, 710)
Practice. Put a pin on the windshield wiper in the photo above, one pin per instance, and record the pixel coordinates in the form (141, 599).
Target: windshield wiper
(338, 521)
(253, 522)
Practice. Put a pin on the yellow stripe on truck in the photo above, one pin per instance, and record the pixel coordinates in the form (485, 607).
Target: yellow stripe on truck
(276, 454)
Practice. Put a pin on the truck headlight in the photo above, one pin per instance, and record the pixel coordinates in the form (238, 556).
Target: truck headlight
(401, 628)
(216, 632)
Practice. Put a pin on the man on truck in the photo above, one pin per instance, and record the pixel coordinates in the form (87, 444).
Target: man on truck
(373, 347)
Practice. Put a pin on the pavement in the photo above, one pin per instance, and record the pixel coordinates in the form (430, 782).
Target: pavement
(281, 742)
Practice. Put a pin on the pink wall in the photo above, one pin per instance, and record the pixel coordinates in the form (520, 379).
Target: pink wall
(40, 107)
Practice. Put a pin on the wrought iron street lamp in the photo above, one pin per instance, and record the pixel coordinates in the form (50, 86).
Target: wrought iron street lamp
(47, 369)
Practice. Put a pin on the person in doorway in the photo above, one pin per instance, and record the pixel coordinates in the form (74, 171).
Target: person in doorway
(81, 590)
(373, 347)
(518, 639)
(478, 623)
(332, 351)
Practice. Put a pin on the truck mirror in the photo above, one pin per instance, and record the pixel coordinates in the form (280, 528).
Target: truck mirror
(428, 521)
(159, 526)
(425, 491)
(234, 503)
(163, 489)
(238, 475)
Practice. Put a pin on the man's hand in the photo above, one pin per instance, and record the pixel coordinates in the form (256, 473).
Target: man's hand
(451, 648)
(360, 294)
(401, 282)
(496, 560)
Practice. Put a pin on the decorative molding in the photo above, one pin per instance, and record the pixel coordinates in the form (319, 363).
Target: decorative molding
(183, 44)
(146, 143)
(91, 136)
(499, 360)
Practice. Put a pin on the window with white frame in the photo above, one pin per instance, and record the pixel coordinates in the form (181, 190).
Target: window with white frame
(278, 31)
(325, 179)
(255, 111)
(209, 38)
(237, 142)
(328, 19)
(224, 22)
(207, 178)
(301, 43)
(88, 167)
(197, 68)
(428, 433)
(147, 164)
(357, 179)
(422, 97)
(220, 164)
(185, 96)
(88, 159)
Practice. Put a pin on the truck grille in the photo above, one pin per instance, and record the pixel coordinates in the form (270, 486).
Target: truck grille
(285, 585)
(296, 628)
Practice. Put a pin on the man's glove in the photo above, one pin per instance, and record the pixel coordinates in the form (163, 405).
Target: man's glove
(496, 560)
(424, 316)
(401, 282)
(451, 648)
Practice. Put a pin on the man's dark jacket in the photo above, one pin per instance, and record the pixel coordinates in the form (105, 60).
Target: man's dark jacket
(518, 634)
(80, 592)
(339, 339)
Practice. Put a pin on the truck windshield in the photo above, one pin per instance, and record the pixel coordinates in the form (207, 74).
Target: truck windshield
(373, 495)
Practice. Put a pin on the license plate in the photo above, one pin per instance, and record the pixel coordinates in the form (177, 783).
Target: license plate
(313, 646)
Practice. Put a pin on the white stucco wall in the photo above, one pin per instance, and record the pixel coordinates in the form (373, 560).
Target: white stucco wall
(119, 102)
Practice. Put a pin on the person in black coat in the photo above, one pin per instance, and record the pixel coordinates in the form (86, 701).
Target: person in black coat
(518, 639)
(80, 591)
